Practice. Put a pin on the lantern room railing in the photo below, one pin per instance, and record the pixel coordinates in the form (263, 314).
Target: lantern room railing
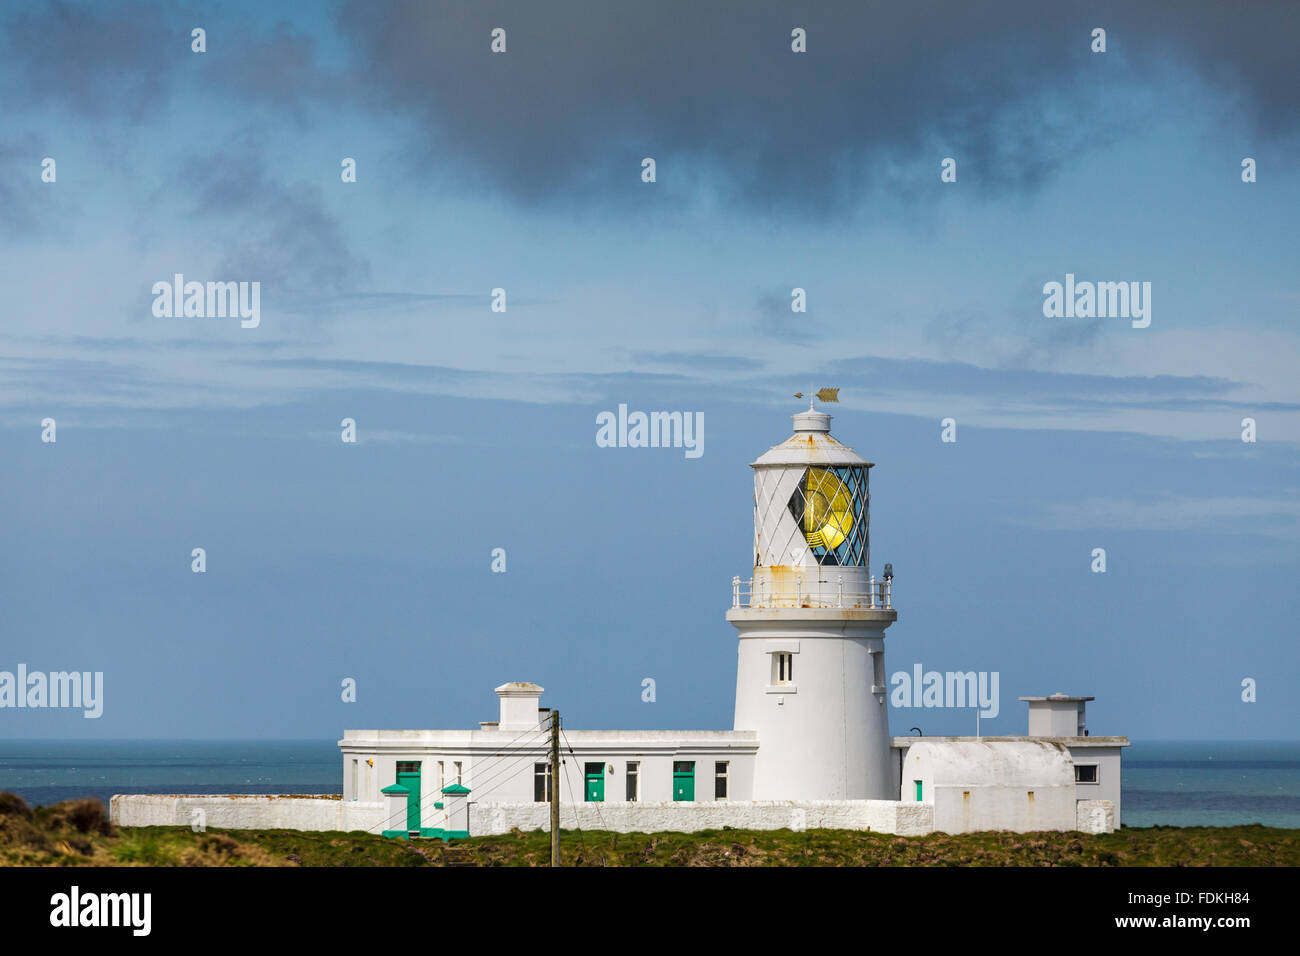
(813, 591)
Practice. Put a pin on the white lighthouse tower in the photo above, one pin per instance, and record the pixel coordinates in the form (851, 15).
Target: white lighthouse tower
(810, 677)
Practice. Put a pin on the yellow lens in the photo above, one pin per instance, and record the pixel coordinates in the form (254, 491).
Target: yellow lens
(828, 509)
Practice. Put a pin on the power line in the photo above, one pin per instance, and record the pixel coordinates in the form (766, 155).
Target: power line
(384, 824)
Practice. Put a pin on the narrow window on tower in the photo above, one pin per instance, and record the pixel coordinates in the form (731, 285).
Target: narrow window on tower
(457, 766)
(783, 668)
(720, 780)
(633, 781)
(442, 781)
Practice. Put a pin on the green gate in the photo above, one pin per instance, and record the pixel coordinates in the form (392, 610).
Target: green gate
(595, 774)
(684, 780)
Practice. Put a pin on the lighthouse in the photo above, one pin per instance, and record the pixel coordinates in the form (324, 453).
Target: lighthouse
(810, 672)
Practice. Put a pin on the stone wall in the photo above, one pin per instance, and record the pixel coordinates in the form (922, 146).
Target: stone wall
(258, 812)
(245, 811)
(1095, 816)
(882, 816)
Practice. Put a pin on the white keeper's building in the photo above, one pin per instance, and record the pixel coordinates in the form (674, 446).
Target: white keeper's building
(810, 744)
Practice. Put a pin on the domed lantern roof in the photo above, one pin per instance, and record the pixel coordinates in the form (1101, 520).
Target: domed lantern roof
(811, 444)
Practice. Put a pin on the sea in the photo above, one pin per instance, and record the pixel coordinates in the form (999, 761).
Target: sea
(1180, 783)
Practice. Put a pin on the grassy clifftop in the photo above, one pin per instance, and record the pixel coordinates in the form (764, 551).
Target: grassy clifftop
(77, 833)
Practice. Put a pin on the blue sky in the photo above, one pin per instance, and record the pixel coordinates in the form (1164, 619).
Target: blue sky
(477, 429)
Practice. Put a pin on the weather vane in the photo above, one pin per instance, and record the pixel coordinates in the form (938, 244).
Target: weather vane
(823, 395)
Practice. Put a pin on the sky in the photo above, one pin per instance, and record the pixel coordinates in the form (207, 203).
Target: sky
(523, 171)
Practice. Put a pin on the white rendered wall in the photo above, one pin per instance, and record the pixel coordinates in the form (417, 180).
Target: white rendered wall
(1055, 718)
(827, 737)
(1020, 786)
(1107, 786)
(498, 767)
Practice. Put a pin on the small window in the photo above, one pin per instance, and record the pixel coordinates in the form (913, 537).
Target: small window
(457, 766)
(633, 781)
(783, 668)
(918, 790)
(720, 780)
(1085, 773)
(442, 782)
(542, 782)
(408, 766)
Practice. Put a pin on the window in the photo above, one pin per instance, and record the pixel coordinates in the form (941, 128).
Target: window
(720, 780)
(408, 766)
(442, 782)
(542, 782)
(1085, 773)
(918, 790)
(783, 668)
(355, 762)
(457, 766)
(633, 781)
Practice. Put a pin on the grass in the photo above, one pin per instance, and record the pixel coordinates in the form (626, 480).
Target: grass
(78, 833)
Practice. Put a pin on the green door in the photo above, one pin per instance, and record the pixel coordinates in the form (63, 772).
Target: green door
(595, 773)
(411, 781)
(684, 780)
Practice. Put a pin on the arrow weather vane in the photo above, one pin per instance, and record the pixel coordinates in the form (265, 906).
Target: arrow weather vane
(823, 395)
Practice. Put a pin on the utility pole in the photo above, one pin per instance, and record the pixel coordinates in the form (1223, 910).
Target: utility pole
(555, 787)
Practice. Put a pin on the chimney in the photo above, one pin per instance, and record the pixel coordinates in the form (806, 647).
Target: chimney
(519, 710)
(1057, 716)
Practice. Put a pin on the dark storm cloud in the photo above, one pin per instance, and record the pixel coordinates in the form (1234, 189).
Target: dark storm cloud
(91, 60)
(124, 62)
(712, 91)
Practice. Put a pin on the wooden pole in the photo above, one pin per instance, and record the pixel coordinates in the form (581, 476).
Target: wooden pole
(555, 787)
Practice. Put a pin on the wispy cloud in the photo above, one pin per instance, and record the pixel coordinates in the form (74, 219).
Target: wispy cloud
(1272, 517)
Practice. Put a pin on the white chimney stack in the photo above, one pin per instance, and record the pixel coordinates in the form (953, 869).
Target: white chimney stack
(519, 706)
